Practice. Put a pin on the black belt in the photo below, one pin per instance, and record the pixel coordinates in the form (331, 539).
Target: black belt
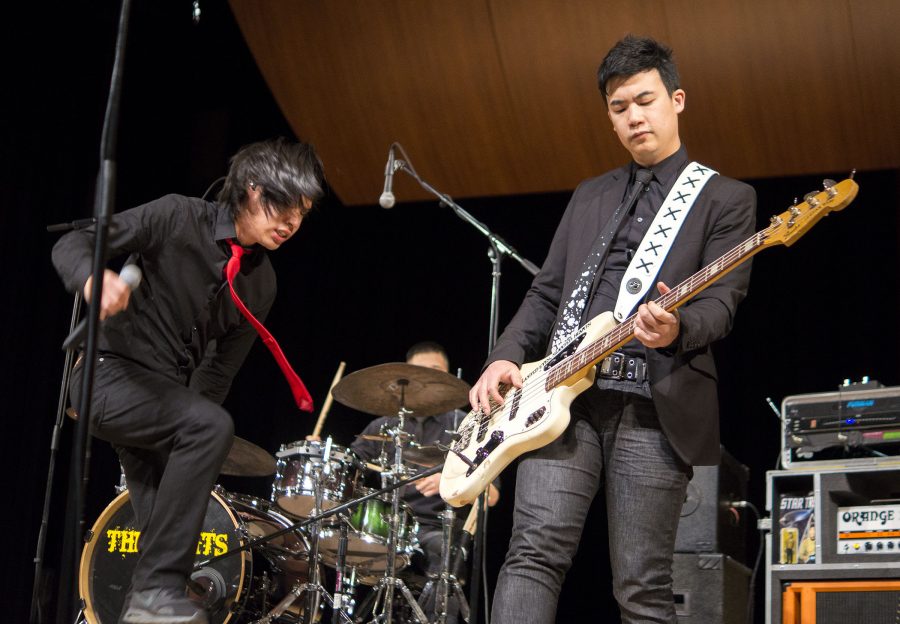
(622, 367)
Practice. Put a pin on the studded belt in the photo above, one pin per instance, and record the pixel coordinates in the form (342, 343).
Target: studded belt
(622, 367)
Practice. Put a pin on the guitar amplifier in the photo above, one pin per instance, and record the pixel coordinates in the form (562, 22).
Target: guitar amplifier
(859, 424)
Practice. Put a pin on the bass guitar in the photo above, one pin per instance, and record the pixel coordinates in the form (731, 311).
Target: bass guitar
(537, 413)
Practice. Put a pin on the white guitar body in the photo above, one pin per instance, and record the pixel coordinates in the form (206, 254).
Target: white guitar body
(528, 421)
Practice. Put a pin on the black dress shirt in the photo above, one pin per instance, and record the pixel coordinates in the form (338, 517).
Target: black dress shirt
(180, 321)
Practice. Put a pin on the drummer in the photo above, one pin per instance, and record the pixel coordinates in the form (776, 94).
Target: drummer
(424, 500)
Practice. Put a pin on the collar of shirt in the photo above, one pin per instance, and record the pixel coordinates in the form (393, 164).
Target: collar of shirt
(666, 171)
(224, 226)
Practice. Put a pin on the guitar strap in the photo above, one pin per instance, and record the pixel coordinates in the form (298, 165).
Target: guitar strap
(644, 267)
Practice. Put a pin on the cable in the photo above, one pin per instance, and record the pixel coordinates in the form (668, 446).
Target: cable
(212, 186)
(751, 601)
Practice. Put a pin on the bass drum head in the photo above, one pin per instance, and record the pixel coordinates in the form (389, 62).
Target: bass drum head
(111, 553)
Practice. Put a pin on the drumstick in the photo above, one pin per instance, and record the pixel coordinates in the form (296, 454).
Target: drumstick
(327, 405)
(374, 467)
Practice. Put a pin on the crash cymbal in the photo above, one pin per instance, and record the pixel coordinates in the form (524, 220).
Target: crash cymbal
(423, 455)
(245, 459)
(382, 389)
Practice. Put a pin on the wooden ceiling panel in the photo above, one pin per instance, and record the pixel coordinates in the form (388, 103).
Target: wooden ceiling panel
(550, 54)
(357, 76)
(499, 97)
(776, 90)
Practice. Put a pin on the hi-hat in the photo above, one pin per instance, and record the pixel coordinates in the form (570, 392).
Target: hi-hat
(245, 459)
(423, 455)
(383, 389)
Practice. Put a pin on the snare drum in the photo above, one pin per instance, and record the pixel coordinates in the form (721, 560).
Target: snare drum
(242, 587)
(367, 543)
(301, 464)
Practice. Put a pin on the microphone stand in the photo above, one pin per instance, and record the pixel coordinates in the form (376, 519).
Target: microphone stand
(103, 210)
(497, 250)
(37, 586)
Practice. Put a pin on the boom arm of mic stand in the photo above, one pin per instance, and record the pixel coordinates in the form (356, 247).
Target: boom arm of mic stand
(496, 241)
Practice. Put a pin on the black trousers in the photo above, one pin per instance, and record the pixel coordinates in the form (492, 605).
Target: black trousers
(171, 442)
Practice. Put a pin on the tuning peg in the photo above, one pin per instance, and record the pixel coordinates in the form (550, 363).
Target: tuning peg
(810, 198)
(828, 185)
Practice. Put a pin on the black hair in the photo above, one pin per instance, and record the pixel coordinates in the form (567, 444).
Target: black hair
(633, 55)
(426, 346)
(285, 171)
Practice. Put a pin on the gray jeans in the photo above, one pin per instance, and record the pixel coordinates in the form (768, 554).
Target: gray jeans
(613, 442)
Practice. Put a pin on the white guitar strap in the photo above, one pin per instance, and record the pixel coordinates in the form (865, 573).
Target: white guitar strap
(652, 252)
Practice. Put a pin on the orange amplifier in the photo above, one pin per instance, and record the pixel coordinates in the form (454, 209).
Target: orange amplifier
(869, 530)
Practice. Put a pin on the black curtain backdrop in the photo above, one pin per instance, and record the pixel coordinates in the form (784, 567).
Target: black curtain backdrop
(357, 284)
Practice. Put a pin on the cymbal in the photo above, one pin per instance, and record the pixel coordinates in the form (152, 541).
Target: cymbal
(381, 389)
(380, 437)
(374, 437)
(423, 455)
(245, 459)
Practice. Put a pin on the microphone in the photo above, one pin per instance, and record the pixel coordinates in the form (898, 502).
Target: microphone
(131, 275)
(387, 197)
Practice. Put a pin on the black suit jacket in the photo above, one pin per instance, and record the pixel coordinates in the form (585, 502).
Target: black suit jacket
(682, 376)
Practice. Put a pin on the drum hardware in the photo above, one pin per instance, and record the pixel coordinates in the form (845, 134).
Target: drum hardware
(447, 581)
(297, 589)
(313, 587)
(367, 546)
(338, 606)
(384, 593)
(302, 524)
(302, 464)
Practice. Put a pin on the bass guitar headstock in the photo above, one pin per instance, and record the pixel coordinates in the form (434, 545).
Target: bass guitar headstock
(799, 218)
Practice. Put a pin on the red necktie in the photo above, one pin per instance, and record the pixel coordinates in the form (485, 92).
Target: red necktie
(301, 394)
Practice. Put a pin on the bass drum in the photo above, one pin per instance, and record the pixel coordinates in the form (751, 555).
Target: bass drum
(227, 588)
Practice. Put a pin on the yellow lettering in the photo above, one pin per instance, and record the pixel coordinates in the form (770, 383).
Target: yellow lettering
(130, 541)
(113, 535)
(221, 543)
(213, 543)
(122, 541)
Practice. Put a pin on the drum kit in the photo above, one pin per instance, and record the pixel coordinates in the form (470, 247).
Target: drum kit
(261, 561)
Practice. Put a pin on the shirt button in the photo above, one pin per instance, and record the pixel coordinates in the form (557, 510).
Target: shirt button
(640, 219)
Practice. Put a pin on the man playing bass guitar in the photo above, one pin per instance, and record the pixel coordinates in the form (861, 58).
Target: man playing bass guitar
(652, 413)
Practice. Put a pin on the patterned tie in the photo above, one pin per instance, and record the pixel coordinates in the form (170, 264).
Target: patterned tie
(301, 394)
(574, 308)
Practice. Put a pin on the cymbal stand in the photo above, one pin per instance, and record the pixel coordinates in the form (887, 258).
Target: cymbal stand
(446, 582)
(389, 581)
(313, 588)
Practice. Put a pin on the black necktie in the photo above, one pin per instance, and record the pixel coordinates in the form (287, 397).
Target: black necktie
(574, 308)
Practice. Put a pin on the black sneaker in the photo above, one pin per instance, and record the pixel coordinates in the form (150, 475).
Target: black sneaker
(162, 606)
